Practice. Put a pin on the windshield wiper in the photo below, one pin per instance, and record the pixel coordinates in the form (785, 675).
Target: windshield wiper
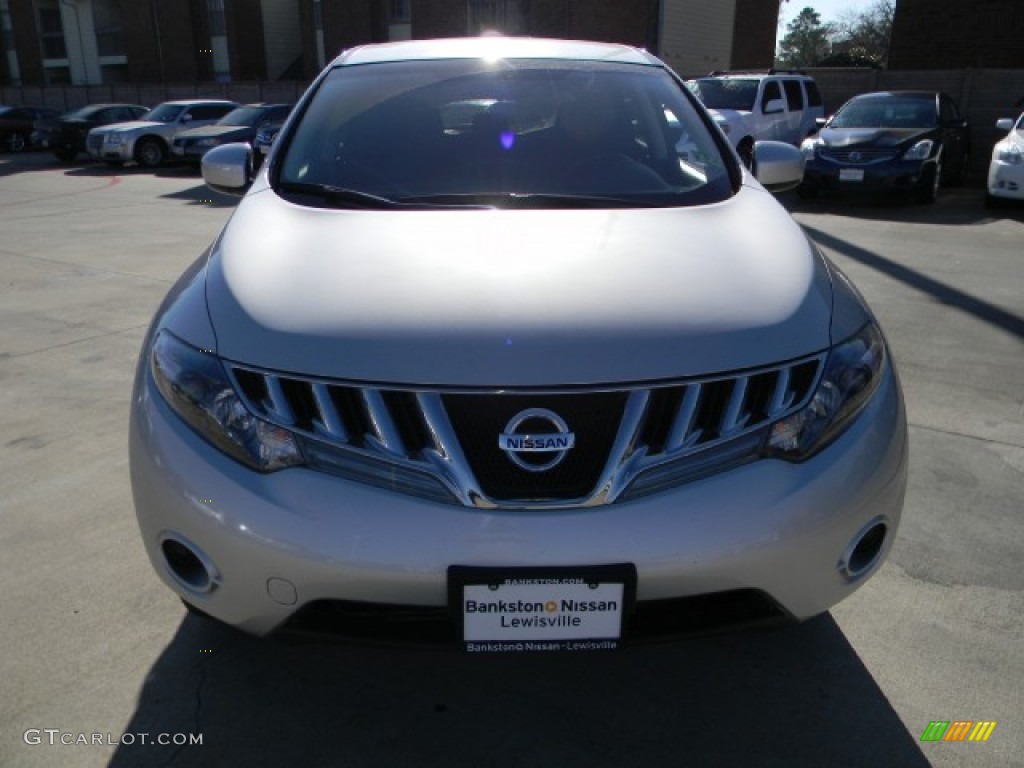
(534, 200)
(353, 198)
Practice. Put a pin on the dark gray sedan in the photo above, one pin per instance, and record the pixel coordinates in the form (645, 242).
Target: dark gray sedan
(238, 125)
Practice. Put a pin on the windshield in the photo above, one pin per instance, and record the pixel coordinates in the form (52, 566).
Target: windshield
(517, 132)
(731, 93)
(247, 116)
(886, 113)
(82, 113)
(164, 113)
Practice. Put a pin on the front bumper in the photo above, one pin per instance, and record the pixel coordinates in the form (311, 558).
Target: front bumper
(115, 152)
(1005, 180)
(893, 174)
(285, 540)
(190, 152)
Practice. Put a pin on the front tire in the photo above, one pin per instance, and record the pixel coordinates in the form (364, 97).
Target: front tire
(928, 191)
(150, 153)
(746, 151)
(66, 154)
(15, 142)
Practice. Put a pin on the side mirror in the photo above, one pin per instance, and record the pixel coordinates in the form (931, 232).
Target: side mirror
(780, 166)
(187, 117)
(819, 122)
(773, 107)
(1005, 124)
(228, 168)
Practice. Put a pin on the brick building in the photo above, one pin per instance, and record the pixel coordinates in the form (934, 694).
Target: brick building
(953, 34)
(90, 42)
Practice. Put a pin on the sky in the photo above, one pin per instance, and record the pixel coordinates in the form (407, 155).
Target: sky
(830, 10)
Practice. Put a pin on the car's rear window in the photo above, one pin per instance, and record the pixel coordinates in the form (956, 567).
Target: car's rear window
(524, 130)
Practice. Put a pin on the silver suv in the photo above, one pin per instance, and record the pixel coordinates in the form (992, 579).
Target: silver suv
(148, 140)
(782, 105)
(482, 356)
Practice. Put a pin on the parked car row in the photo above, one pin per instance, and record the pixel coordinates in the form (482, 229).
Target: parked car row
(910, 141)
(123, 133)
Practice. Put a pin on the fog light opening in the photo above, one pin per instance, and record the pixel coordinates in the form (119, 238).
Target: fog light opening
(188, 565)
(864, 549)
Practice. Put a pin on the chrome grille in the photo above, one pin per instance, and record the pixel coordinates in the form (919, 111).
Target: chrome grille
(858, 156)
(443, 445)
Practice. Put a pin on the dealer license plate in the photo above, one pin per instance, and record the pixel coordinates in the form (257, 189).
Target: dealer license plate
(851, 174)
(541, 609)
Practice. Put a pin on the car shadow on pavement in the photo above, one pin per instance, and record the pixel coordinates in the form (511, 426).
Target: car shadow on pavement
(947, 294)
(203, 195)
(797, 696)
(955, 207)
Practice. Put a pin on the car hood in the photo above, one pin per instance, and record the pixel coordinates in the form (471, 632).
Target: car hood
(872, 137)
(134, 125)
(516, 298)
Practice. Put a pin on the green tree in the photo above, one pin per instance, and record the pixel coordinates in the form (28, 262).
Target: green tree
(865, 34)
(806, 41)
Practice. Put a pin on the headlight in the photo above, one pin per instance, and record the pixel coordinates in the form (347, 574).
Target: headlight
(1010, 156)
(919, 151)
(852, 372)
(208, 142)
(809, 147)
(114, 138)
(196, 386)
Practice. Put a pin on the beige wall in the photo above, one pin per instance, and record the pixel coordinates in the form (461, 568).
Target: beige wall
(696, 35)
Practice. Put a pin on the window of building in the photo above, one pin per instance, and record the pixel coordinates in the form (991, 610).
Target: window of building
(401, 11)
(51, 30)
(109, 30)
(218, 28)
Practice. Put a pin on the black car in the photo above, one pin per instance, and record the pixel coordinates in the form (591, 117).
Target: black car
(65, 135)
(240, 124)
(265, 138)
(902, 140)
(16, 126)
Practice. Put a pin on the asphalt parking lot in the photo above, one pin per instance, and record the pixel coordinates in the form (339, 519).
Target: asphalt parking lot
(92, 643)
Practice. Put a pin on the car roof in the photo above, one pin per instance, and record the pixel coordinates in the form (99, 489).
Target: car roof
(897, 95)
(755, 75)
(187, 102)
(494, 46)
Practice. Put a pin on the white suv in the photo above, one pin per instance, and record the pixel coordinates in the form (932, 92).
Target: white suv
(780, 106)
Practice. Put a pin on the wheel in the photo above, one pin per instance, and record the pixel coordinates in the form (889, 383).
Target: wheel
(960, 176)
(66, 154)
(807, 191)
(928, 190)
(992, 202)
(746, 150)
(150, 153)
(16, 142)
